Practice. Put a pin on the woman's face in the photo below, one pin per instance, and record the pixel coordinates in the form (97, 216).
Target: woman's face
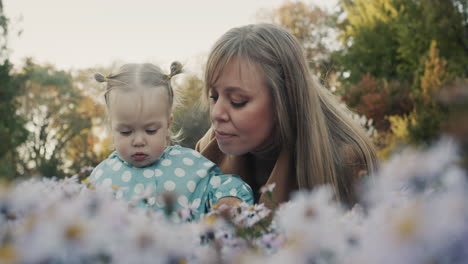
(241, 109)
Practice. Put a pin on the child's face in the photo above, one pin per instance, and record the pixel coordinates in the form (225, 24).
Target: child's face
(140, 126)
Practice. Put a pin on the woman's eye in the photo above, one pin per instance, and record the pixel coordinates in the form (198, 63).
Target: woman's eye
(238, 104)
(214, 97)
(125, 133)
(151, 131)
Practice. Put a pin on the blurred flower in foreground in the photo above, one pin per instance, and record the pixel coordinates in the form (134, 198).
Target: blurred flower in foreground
(414, 211)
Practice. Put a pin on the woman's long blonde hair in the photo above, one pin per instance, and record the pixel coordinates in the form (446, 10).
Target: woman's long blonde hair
(321, 138)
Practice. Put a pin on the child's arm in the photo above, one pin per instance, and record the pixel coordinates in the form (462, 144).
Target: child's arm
(229, 190)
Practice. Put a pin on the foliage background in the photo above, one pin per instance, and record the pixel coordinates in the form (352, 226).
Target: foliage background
(400, 64)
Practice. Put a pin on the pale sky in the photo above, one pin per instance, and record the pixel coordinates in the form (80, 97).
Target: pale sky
(75, 34)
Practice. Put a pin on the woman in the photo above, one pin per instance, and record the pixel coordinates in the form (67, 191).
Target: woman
(273, 123)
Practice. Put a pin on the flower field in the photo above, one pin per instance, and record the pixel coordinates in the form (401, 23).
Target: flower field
(414, 211)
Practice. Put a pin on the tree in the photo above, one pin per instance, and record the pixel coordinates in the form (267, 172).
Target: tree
(311, 26)
(12, 129)
(191, 118)
(369, 41)
(429, 113)
(389, 38)
(378, 99)
(53, 108)
(91, 145)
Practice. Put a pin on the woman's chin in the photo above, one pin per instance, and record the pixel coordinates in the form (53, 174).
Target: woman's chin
(230, 149)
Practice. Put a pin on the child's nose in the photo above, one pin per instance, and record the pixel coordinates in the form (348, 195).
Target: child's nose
(139, 140)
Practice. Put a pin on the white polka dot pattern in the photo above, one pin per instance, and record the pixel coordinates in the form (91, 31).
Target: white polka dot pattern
(148, 173)
(126, 176)
(184, 172)
(183, 201)
(169, 185)
(158, 172)
(117, 166)
(201, 173)
(107, 182)
(166, 162)
(227, 181)
(196, 203)
(138, 188)
(98, 174)
(179, 172)
(187, 161)
(151, 200)
(174, 152)
(196, 153)
(191, 186)
(160, 201)
(233, 192)
(215, 181)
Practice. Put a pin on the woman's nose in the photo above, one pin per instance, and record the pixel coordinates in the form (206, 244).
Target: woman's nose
(218, 111)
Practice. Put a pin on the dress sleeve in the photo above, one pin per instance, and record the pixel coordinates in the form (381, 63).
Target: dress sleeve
(229, 185)
(98, 171)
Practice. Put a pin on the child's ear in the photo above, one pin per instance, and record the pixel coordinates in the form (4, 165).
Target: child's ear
(169, 121)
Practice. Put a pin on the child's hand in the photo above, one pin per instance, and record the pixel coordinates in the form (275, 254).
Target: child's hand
(229, 201)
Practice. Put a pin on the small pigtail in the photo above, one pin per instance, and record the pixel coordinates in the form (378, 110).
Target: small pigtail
(100, 77)
(176, 68)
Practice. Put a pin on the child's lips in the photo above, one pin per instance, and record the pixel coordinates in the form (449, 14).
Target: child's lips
(139, 156)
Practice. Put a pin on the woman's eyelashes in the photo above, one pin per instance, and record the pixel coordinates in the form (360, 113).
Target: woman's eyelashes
(238, 104)
(234, 103)
(214, 98)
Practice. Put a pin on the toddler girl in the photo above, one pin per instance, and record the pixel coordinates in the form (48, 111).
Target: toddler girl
(139, 100)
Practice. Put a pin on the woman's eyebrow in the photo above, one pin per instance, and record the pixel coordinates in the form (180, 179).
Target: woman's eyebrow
(232, 89)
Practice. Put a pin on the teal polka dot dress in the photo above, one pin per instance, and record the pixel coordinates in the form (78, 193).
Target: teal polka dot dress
(196, 181)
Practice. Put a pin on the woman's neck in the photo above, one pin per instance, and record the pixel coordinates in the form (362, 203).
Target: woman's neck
(264, 161)
(268, 150)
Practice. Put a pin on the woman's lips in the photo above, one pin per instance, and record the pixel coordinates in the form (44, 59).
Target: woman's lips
(221, 136)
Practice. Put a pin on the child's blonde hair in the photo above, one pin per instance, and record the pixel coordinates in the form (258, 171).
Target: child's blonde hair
(134, 76)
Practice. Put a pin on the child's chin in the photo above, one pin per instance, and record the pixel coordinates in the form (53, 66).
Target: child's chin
(142, 164)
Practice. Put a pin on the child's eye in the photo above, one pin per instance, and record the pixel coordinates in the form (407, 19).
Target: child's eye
(151, 131)
(125, 133)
